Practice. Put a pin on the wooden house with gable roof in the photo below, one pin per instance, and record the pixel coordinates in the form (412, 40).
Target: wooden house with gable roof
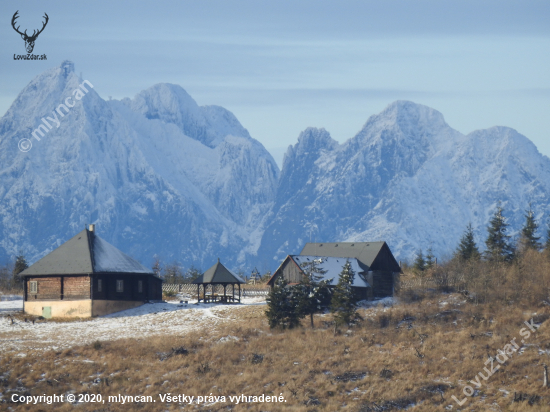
(373, 263)
(295, 267)
(85, 277)
(376, 257)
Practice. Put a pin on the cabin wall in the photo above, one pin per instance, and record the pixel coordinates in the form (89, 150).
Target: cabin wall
(385, 261)
(77, 287)
(69, 296)
(59, 288)
(151, 289)
(155, 288)
(382, 282)
(48, 288)
(96, 293)
(130, 290)
(290, 272)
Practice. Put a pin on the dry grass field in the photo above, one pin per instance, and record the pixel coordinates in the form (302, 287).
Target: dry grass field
(412, 356)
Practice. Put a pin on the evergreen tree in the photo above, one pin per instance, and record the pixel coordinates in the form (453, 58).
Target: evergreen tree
(467, 249)
(528, 239)
(343, 302)
(281, 306)
(498, 246)
(419, 265)
(430, 259)
(313, 293)
(20, 266)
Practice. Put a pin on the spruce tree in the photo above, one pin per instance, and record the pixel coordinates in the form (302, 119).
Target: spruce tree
(430, 258)
(313, 293)
(528, 239)
(419, 265)
(467, 249)
(498, 246)
(281, 306)
(20, 266)
(342, 304)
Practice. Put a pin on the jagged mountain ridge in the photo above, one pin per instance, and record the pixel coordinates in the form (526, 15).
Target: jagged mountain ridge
(149, 187)
(407, 178)
(159, 174)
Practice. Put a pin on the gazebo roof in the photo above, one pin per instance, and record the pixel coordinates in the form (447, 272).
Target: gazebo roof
(218, 274)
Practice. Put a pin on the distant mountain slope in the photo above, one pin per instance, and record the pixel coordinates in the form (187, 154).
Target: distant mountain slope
(407, 178)
(158, 174)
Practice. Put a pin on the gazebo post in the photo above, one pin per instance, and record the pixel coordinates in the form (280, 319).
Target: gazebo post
(239, 293)
(198, 293)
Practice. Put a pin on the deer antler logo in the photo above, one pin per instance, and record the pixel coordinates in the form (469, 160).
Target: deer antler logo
(29, 40)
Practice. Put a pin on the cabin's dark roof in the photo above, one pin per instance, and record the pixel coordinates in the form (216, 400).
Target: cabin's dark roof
(218, 274)
(365, 252)
(85, 253)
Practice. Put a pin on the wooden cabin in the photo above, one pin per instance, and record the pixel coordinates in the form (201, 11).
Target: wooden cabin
(295, 267)
(86, 277)
(375, 257)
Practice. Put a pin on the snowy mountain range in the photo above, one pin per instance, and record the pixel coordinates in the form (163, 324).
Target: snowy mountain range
(159, 174)
(407, 178)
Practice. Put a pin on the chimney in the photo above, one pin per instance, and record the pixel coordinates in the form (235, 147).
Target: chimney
(91, 228)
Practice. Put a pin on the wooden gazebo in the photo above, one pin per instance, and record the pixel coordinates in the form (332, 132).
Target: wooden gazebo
(218, 275)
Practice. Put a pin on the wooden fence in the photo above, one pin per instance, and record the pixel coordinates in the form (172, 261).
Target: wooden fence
(190, 289)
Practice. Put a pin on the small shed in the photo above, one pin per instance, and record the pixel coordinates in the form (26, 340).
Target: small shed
(217, 277)
(86, 276)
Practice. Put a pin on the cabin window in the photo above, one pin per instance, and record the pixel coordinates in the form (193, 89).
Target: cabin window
(99, 285)
(120, 286)
(33, 286)
(140, 286)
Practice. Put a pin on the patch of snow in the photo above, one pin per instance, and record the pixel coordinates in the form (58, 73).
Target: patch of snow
(150, 319)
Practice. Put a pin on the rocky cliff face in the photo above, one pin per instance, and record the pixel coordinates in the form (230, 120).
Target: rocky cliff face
(407, 178)
(157, 174)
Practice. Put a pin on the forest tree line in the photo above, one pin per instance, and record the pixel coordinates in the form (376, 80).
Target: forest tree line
(505, 271)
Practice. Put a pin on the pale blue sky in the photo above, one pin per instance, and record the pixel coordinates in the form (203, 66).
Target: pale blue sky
(281, 66)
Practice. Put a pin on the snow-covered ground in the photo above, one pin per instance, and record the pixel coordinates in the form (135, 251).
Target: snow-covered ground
(171, 318)
(10, 303)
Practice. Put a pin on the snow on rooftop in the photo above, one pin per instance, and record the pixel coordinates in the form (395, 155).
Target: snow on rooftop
(108, 258)
(333, 267)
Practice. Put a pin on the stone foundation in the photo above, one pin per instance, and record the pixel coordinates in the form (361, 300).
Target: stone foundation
(84, 308)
